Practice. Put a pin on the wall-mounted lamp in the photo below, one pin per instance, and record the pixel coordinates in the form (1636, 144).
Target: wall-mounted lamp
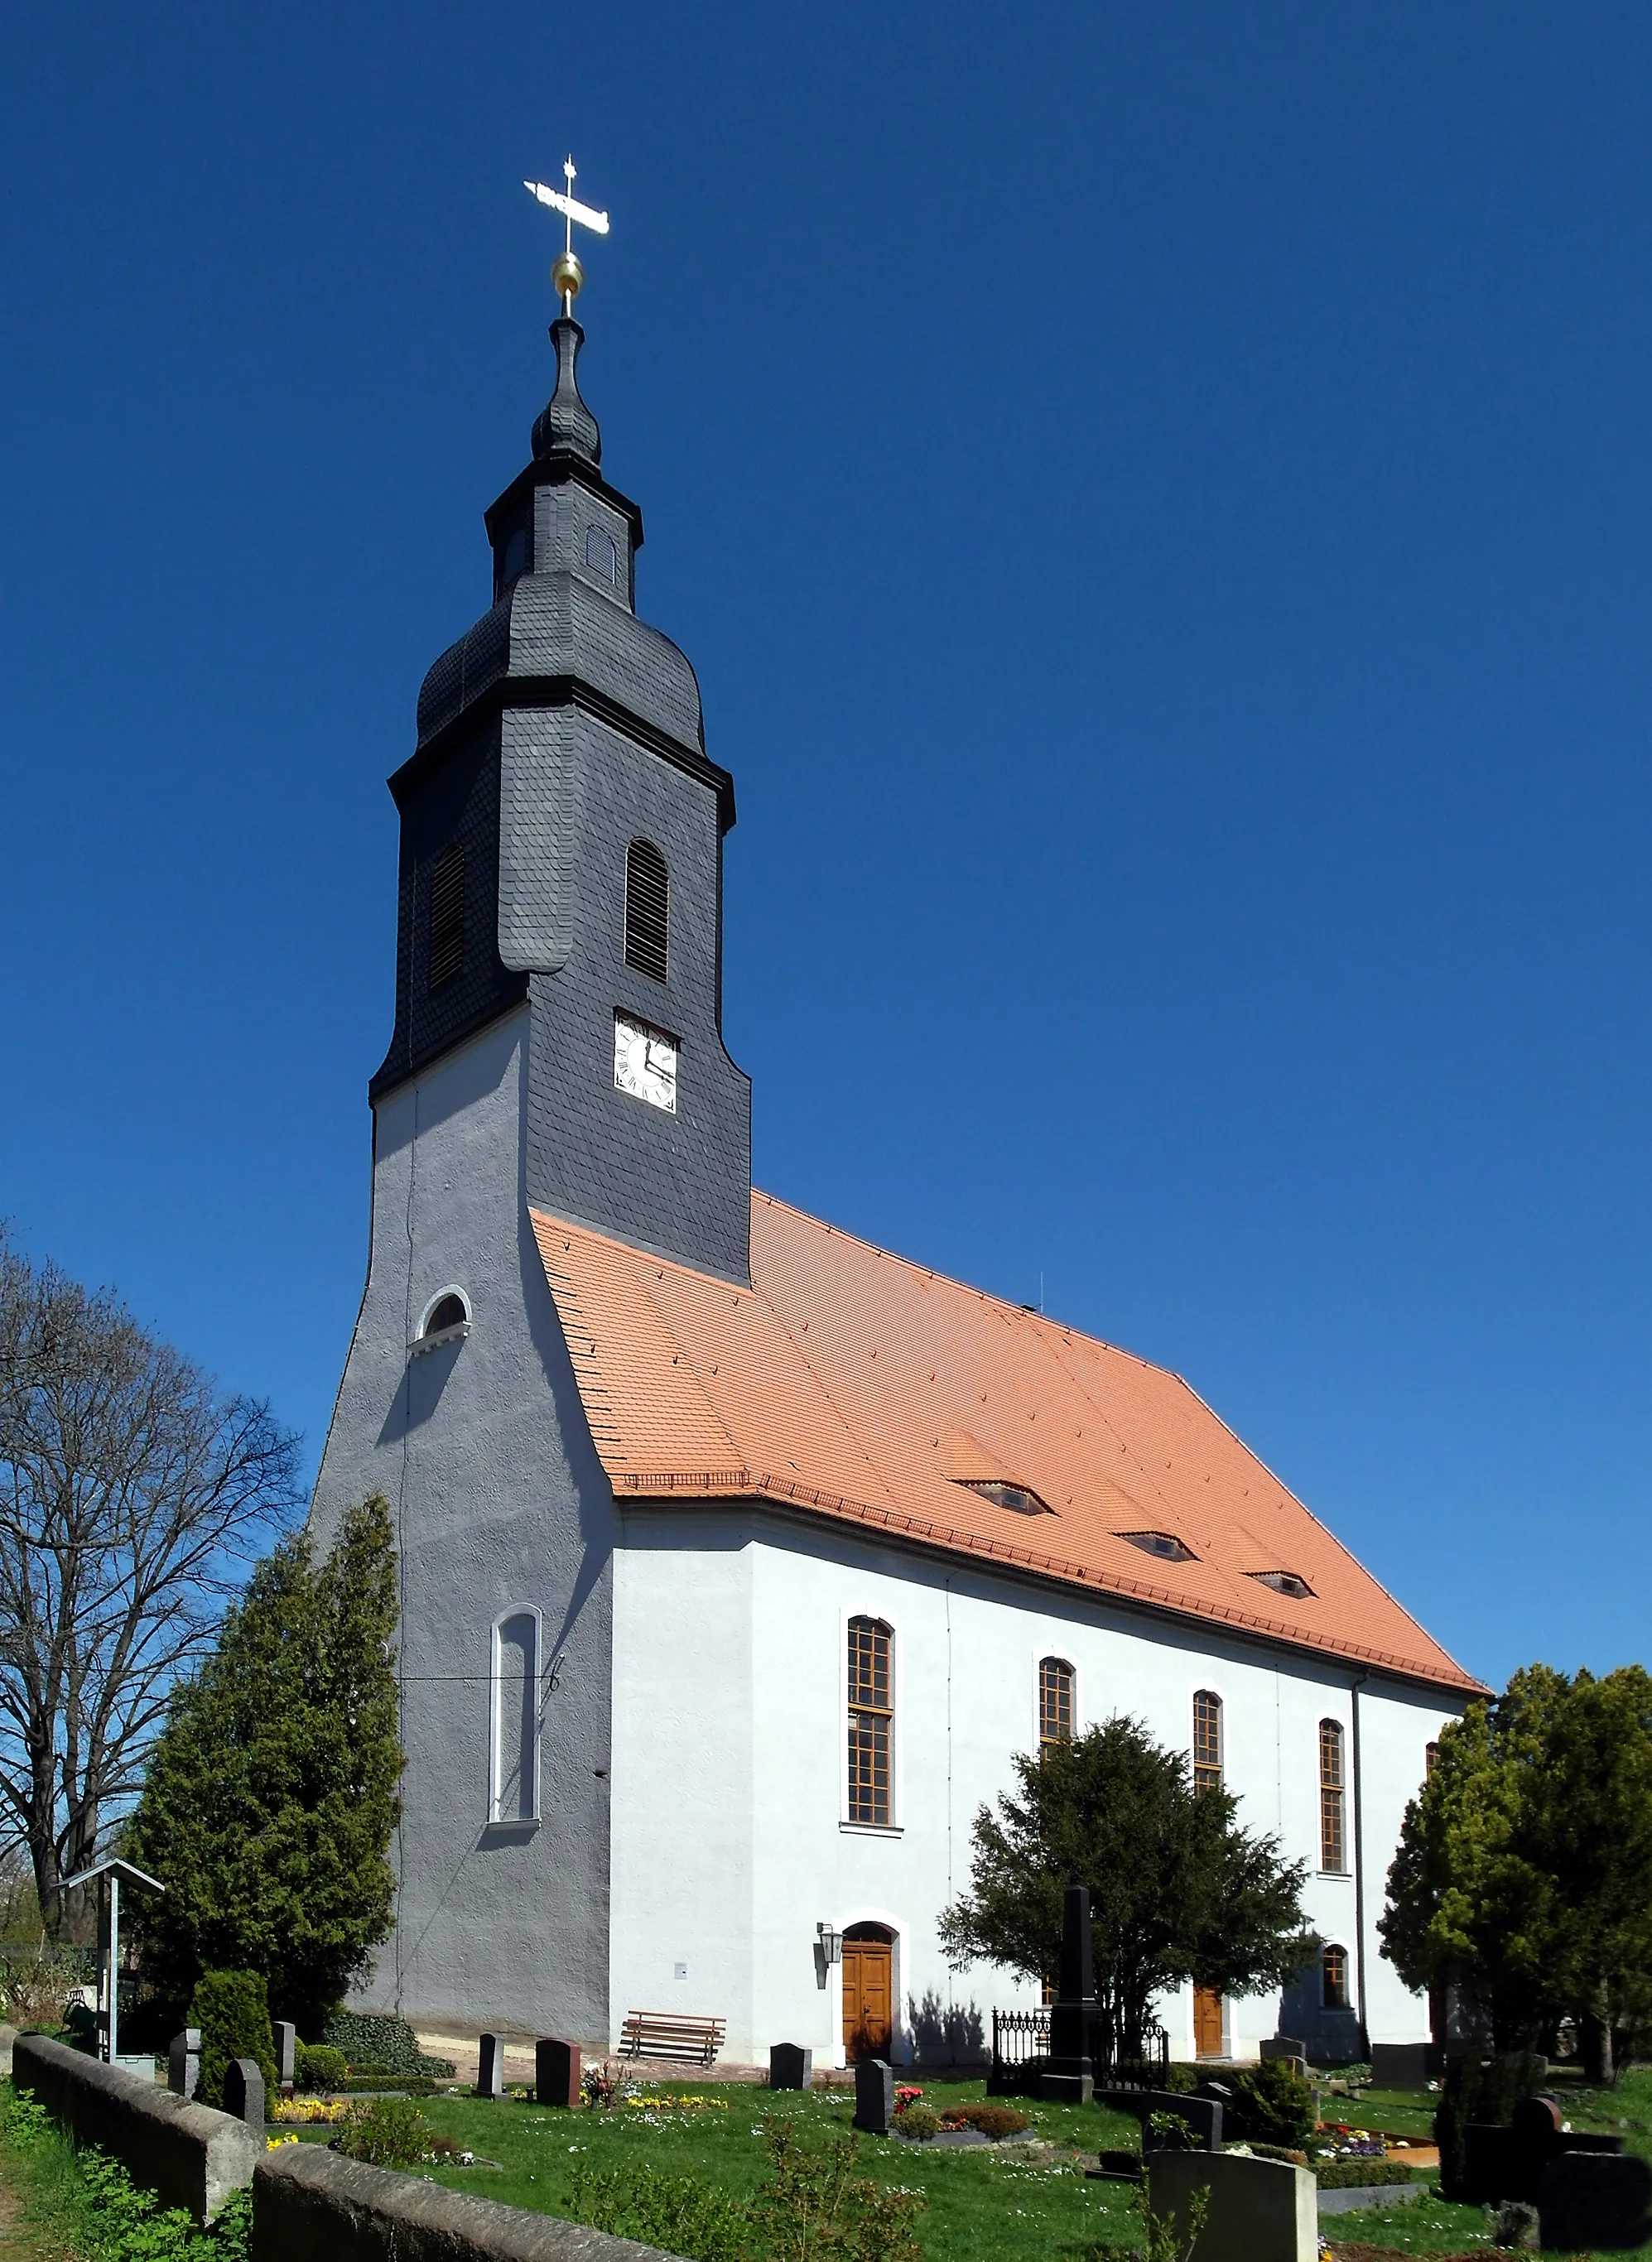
(829, 1950)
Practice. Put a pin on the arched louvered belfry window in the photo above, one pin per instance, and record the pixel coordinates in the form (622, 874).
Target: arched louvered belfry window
(647, 910)
(447, 915)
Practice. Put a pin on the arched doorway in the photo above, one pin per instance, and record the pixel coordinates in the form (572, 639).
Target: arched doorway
(868, 1991)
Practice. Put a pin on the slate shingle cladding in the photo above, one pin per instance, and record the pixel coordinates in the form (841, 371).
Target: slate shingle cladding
(556, 731)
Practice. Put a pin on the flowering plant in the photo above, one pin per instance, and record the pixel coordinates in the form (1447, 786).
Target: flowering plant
(907, 2093)
(603, 2086)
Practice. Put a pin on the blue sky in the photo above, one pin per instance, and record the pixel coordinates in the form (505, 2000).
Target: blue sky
(1159, 501)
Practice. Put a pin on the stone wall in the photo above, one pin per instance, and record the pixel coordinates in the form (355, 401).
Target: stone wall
(191, 2156)
(307, 2201)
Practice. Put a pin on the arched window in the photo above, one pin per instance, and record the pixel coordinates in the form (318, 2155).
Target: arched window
(515, 1760)
(1333, 1975)
(1431, 1759)
(1332, 1838)
(447, 1319)
(447, 916)
(599, 554)
(1054, 1703)
(1207, 1741)
(871, 1721)
(647, 910)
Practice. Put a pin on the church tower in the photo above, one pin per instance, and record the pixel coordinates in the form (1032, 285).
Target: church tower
(562, 842)
(556, 1057)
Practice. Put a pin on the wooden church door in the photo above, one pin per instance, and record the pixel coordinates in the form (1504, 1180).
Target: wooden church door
(868, 1975)
(1206, 2023)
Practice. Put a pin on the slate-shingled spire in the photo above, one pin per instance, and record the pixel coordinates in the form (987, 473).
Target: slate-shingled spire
(565, 425)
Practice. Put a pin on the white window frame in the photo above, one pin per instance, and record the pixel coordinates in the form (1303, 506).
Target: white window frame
(1208, 1688)
(422, 1342)
(895, 1826)
(495, 1724)
(1041, 1651)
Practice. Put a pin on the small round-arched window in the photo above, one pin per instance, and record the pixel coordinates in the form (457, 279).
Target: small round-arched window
(1333, 1969)
(447, 1319)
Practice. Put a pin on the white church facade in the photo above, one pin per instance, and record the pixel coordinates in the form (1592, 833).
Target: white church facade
(738, 1558)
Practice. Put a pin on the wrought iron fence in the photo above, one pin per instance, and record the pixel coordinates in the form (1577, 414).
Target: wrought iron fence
(1020, 2047)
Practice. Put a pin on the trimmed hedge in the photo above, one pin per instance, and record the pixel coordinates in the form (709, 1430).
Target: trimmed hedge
(318, 2066)
(1352, 2175)
(368, 2039)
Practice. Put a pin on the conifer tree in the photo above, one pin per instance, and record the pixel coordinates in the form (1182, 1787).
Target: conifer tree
(270, 1797)
(1178, 1890)
(1524, 1870)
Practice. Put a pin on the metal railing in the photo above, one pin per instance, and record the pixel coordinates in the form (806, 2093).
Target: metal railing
(1020, 2047)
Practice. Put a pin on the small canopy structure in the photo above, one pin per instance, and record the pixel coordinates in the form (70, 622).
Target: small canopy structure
(109, 1877)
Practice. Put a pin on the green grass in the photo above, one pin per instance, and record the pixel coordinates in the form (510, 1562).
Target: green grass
(981, 2204)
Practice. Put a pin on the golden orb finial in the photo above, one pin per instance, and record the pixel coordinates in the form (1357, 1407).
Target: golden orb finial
(567, 276)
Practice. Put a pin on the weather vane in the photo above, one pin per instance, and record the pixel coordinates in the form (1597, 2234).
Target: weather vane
(566, 272)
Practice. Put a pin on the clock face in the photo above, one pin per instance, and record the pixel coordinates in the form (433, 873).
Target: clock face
(645, 1062)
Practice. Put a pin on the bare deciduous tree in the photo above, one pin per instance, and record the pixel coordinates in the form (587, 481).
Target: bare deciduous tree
(131, 1491)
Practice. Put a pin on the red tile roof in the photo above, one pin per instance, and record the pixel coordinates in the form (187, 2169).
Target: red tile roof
(856, 1386)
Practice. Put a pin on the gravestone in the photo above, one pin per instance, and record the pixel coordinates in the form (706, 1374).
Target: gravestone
(490, 2072)
(183, 2063)
(286, 2051)
(874, 2096)
(1595, 2200)
(1201, 2115)
(1406, 2065)
(1283, 2046)
(244, 2092)
(1511, 2162)
(790, 2066)
(1260, 2211)
(556, 2071)
(1069, 2075)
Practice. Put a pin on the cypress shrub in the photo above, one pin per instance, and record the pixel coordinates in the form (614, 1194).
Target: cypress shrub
(232, 2010)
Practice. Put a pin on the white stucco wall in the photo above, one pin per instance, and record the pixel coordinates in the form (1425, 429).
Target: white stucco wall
(729, 1844)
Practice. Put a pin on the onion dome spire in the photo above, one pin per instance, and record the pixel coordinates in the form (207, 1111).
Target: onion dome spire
(565, 425)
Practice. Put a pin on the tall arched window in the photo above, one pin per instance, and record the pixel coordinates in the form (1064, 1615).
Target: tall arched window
(1333, 1972)
(1332, 1837)
(515, 1718)
(1054, 1702)
(647, 910)
(1207, 1741)
(871, 1721)
(1431, 1759)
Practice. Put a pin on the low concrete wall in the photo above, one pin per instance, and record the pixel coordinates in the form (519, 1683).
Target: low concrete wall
(191, 2156)
(307, 2201)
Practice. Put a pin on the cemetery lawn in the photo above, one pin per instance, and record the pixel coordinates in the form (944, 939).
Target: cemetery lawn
(984, 2206)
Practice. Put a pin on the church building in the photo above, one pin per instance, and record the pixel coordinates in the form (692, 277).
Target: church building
(738, 1558)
